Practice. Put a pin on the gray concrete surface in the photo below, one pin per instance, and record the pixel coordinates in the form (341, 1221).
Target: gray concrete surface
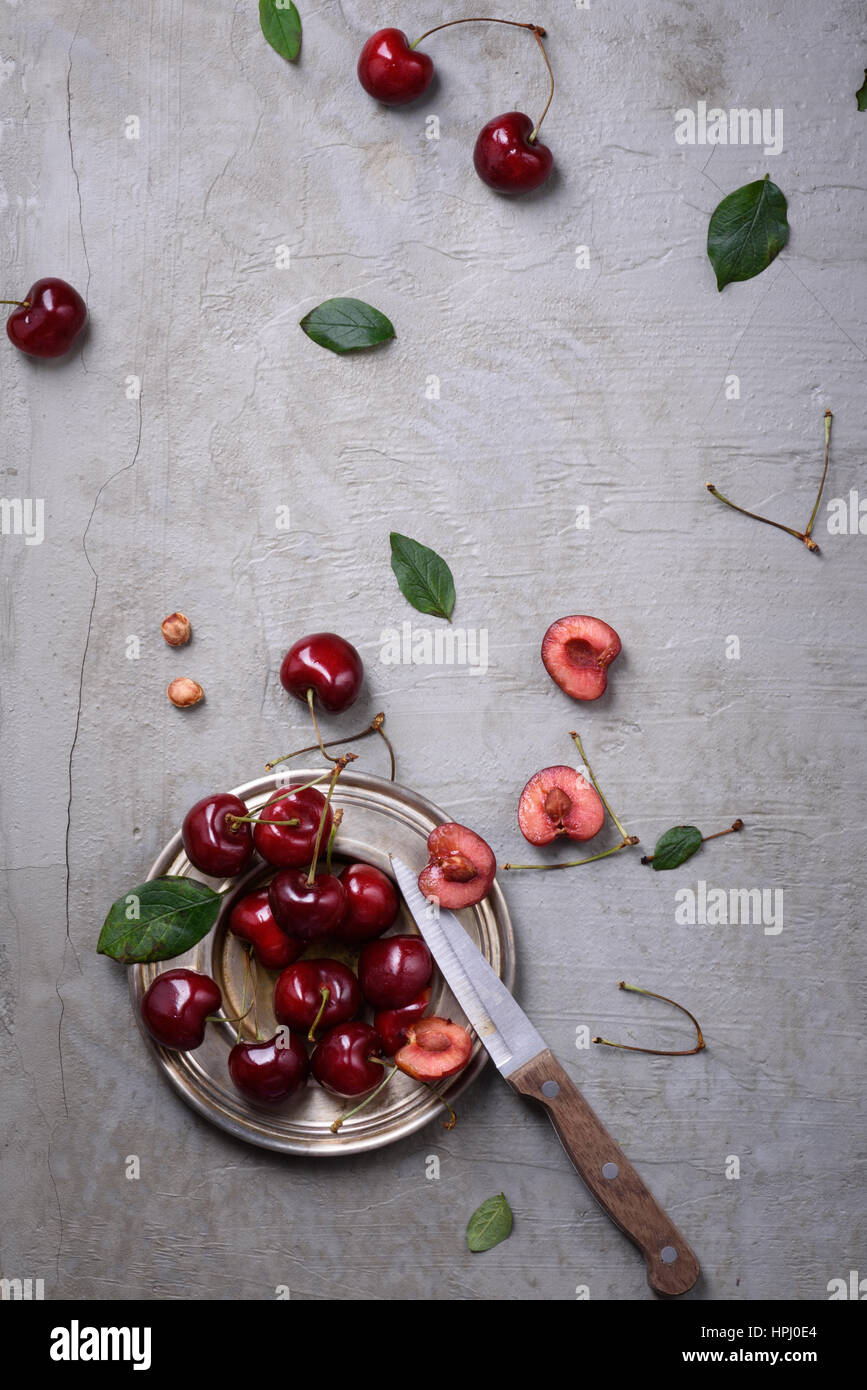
(559, 387)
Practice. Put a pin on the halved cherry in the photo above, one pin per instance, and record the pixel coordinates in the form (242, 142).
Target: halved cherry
(577, 652)
(558, 801)
(461, 867)
(436, 1048)
(393, 1025)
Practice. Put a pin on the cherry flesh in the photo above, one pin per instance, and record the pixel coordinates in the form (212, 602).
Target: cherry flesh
(49, 320)
(326, 664)
(341, 1059)
(558, 801)
(577, 652)
(435, 1049)
(392, 1025)
(269, 1071)
(298, 995)
(461, 867)
(306, 911)
(505, 157)
(252, 920)
(392, 971)
(391, 71)
(371, 904)
(176, 1006)
(212, 844)
(291, 846)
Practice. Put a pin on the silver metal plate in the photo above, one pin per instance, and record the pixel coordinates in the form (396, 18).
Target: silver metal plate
(379, 818)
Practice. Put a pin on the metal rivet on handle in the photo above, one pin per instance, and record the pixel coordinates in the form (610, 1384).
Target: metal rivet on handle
(610, 1171)
(668, 1254)
(550, 1089)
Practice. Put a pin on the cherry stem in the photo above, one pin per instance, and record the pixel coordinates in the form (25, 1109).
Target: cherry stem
(22, 303)
(804, 536)
(452, 1119)
(374, 727)
(234, 821)
(368, 1098)
(535, 29)
(732, 830)
(338, 768)
(249, 954)
(325, 992)
(576, 863)
(335, 826)
(626, 838)
(310, 695)
(654, 1051)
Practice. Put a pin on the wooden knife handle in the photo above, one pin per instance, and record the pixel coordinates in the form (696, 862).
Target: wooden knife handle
(672, 1268)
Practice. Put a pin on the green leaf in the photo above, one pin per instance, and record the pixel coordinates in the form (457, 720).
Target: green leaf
(747, 230)
(281, 25)
(861, 94)
(676, 846)
(423, 577)
(346, 325)
(158, 920)
(489, 1224)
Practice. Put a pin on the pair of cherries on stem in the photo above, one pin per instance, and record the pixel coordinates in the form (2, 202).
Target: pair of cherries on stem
(508, 155)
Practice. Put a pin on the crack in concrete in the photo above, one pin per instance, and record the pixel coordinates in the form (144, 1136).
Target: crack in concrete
(73, 164)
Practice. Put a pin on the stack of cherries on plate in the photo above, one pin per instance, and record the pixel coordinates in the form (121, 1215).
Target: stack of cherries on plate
(317, 997)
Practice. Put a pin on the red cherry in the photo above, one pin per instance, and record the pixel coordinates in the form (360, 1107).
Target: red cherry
(290, 846)
(306, 911)
(50, 320)
(392, 1024)
(371, 904)
(577, 652)
(341, 1062)
(252, 920)
(326, 664)
(506, 159)
(436, 1048)
(391, 71)
(393, 970)
(559, 801)
(176, 1006)
(269, 1071)
(212, 844)
(461, 867)
(298, 994)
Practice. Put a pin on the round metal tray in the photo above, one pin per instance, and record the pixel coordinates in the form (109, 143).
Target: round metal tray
(379, 817)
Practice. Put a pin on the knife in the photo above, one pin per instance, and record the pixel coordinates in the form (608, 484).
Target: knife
(523, 1058)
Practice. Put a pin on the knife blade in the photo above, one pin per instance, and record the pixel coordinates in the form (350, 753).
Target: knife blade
(523, 1058)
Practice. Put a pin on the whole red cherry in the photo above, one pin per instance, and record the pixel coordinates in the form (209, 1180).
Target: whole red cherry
(252, 920)
(306, 911)
(390, 70)
(326, 664)
(291, 846)
(300, 990)
(371, 904)
(214, 844)
(175, 1008)
(341, 1059)
(48, 321)
(393, 970)
(505, 157)
(270, 1071)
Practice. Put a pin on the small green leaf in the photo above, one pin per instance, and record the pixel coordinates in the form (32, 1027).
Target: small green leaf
(676, 846)
(747, 230)
(281, 25)
(861, 94)
(158, 920)
(489, 1224)
(347, 325)
(423, 577)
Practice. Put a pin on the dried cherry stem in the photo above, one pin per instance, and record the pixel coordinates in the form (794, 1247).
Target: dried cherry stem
(603, 854)
(335, 826)
(655, 1051)
(325, 992)
(338, 768)
(535, 29)
(732, 830)
(452, 1117)
(369, 1097)
(805, 536)
(374, 727)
